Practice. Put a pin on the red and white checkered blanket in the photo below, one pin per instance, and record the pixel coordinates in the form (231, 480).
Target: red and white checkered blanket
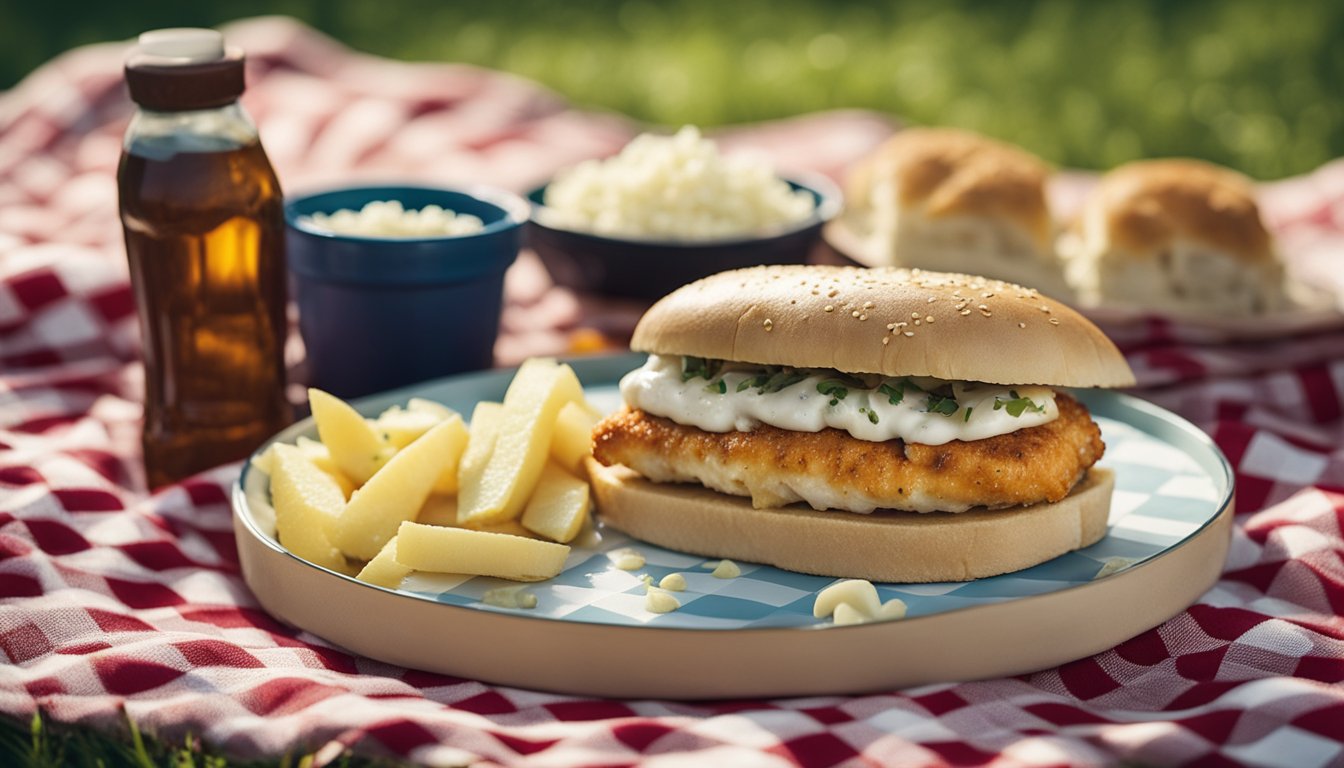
(112, 598)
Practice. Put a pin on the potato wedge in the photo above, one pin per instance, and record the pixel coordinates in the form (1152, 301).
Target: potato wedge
(484, 430)
(573, 438)
(458, 550)
(446, 482)
(355, 446)
(321, 458)
(442, 510)
(395, 494)
(421, 405)
(384, 570)
(533, 401)
(307, 502)
(559, 505)
(400, 428)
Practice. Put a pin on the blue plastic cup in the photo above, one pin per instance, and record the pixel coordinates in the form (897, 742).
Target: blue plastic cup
(378, 313)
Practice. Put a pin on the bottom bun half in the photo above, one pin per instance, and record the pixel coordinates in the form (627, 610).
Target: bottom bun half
(882, 546)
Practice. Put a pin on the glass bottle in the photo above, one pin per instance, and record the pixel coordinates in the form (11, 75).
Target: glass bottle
(202, 214)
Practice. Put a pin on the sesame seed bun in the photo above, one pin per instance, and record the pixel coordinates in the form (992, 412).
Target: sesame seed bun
(883, 546)
(894, 322)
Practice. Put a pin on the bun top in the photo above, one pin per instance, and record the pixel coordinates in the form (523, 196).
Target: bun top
(951, 172)
(1142, 207)
(894, 322)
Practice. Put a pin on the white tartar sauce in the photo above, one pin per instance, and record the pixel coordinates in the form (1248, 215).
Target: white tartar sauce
(815, 401)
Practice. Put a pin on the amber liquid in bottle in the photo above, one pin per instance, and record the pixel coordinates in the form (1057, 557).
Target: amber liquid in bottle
(205, 240)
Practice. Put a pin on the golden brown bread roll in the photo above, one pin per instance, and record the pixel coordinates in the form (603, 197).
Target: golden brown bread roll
(1175, 235)
(954, 201)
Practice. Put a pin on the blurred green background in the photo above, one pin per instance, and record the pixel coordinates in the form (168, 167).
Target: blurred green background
(1253, 84)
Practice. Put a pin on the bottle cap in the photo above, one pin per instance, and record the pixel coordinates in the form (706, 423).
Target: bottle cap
(175, 70)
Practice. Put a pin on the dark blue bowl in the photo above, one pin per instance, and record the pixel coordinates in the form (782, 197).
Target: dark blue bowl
(377, 313)
(652, 268)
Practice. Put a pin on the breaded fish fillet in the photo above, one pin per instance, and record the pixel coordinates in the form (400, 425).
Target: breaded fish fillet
(832, 470)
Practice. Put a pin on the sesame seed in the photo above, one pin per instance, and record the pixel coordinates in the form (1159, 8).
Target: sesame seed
(768, 324)
(929, 319)
(986, 313)
(891, 326)
(916, 322)
(833, 294)
(987, 295)
(1021, 325)
(1054, 321)
(867, 305)
(862, 318)
(855, 313)
(983, 307)
(886, 340)
(961, 306)
(965, 312)
(900, 325)
(909, 333)
(1045, 309)
(830, 308)
(914, 314)
(931, 299)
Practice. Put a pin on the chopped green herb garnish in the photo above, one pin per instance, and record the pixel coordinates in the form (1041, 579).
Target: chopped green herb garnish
(872, 415)
(967, 417)
(834, 401)
(782, 380)
(719, 386)
(1018, 405)
(940, 404)
(705, 368)
(754, 381)
(836, 389)
(894, 394)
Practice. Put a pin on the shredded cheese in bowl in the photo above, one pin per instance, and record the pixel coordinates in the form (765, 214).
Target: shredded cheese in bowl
(388, 218)
(676, 187)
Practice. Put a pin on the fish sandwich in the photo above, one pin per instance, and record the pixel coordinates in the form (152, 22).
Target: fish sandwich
(887, 424)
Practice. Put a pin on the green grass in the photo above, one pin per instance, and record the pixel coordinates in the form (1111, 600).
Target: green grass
(39, 744)
(1248, 83)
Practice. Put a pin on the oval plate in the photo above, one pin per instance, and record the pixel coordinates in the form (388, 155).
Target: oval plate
(754, 635)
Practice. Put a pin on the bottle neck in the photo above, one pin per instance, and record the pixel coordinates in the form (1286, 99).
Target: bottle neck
(217, 129)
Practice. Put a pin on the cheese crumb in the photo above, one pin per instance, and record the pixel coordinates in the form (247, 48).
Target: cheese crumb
(674, 582)
(509, 597)
(658, 601)
(726, 569)
(627, 559)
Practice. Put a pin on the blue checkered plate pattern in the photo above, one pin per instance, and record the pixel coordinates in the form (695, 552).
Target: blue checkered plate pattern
(1171, 481)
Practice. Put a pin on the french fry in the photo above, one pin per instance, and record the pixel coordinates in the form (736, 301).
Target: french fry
(484, 429)
(307, 504)
(321, 458)
(446, 482)
(355, 446)
(533, 401)
(573, 438)
(442, 510)
(384, 570)
(400, 427)
(458, 550)
(559, 505)
(395, 494)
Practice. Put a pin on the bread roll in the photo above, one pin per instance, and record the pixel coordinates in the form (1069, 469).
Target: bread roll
(954, 201)
(1175, 236)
